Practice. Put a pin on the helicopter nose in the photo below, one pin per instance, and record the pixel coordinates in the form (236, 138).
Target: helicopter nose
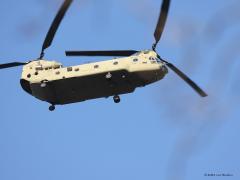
(163, 68)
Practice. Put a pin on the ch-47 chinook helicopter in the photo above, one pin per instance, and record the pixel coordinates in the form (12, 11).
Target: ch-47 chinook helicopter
(51, 82)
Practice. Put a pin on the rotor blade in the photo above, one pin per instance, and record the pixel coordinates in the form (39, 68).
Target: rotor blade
(101, 53)
(187, 79)
(55, 24)
(13, 64)
(161, 21)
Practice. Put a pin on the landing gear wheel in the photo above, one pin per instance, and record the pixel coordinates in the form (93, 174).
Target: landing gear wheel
(44, 83)
(51, 108)
(116, 99)
(108, 76)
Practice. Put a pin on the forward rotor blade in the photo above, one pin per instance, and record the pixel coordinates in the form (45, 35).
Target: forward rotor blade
(13, 64)
(161, 21)
(186, 79)
(101, 53)
(55, 24)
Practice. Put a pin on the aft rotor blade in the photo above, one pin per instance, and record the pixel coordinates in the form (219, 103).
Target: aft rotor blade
(101, 53)
(186, 79)
(55, 24)
(13, 64)
(161, 21)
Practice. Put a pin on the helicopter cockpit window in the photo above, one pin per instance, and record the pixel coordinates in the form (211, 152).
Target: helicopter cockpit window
(152, 58)
(138, 53)
(96, 66)
(146, 52)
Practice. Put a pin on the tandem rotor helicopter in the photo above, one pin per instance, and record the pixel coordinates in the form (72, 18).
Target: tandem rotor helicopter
(51, 82)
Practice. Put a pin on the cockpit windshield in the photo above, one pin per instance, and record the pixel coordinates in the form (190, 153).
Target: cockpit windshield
(137, 54)
(142, 52)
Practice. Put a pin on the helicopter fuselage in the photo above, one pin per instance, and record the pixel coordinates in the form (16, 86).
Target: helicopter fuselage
(51, 82)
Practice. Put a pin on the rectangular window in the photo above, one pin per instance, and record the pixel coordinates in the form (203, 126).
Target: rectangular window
(69, 69)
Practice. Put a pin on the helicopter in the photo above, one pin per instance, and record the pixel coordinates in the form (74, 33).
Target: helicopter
(49, 81)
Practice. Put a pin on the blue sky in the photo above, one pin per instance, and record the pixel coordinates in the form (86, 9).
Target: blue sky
(162, 131)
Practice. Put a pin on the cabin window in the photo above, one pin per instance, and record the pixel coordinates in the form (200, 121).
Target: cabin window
(69, 69)
(57, 73)
(135, 60)
(76, 69)
(36, 73)
(39, 68)
(115, 63)
(56, 67)
(29, 75)
(144, 62)
(96, 66)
